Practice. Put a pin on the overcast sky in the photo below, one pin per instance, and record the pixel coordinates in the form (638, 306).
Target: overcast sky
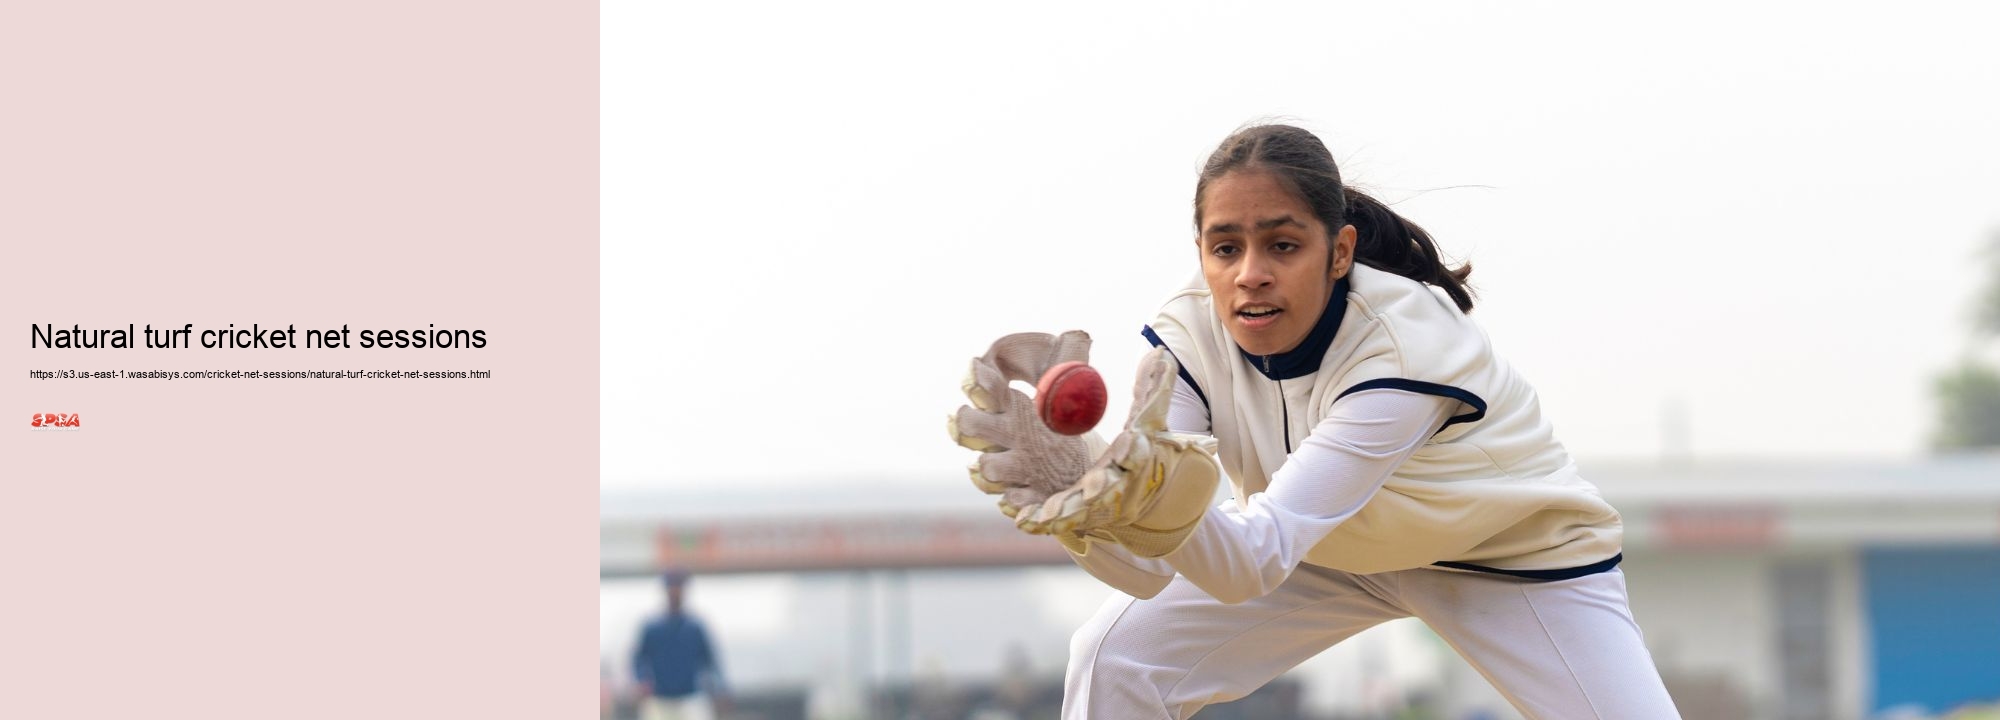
(814, 215)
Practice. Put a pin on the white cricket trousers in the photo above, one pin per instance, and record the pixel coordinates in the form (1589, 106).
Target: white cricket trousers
(1557, 650)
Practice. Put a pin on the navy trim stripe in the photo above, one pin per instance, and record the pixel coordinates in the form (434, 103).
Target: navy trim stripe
(1181, 367)
(1427, 388)
(1557, 574)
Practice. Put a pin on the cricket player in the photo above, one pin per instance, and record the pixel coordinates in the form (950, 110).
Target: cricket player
(675, 664)
(1386, 464)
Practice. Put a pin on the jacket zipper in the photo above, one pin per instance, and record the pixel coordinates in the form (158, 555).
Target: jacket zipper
(1284, 407)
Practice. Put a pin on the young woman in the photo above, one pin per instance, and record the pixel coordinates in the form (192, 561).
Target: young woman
(1385, 462)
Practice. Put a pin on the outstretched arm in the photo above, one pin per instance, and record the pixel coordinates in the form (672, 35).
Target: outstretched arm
(1245, 550)
(1112, 563)
(1149, 494)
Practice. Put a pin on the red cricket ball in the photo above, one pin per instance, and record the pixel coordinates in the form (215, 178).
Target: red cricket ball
(1070, 398)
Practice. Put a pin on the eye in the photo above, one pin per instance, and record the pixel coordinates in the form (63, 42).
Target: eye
(1284, 246)
(1223, 250)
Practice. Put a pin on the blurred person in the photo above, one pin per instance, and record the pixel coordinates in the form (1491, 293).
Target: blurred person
(1386, 463)
(675, 664)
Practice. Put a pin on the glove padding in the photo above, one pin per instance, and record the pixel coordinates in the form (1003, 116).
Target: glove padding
(1021, 460)
(1146, 491)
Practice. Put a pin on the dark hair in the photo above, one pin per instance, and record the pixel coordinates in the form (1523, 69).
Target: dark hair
(1386, 241)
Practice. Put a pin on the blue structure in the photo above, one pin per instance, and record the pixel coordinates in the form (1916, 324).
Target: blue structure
(1934, 616)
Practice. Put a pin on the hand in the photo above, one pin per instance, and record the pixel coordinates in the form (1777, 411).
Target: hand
(1148, 489)
(1021, 460)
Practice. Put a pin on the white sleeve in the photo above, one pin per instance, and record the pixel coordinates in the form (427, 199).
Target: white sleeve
(1188, 413)
(1245, 550)
(1112, 563)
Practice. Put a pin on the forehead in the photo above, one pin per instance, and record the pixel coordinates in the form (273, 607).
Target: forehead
(1244, 197)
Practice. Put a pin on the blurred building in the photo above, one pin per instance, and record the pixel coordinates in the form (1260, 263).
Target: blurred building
(1793, 590)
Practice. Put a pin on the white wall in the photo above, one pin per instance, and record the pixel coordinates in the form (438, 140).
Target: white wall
(1709, 613)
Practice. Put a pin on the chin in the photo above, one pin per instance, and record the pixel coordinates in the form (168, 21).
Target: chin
(1258, 346)
(1264, 341)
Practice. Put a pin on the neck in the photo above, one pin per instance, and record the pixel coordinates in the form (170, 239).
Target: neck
(1304, 358)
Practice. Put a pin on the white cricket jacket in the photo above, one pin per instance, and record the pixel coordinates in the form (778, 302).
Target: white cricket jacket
(1491, 491)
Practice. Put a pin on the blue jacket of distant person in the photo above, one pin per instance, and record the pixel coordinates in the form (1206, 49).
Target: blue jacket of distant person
(673, 653)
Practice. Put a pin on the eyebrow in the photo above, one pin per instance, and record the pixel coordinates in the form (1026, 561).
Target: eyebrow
(1261, 225)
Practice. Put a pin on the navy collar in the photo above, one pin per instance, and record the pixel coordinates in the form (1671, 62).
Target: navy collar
(1305, 359)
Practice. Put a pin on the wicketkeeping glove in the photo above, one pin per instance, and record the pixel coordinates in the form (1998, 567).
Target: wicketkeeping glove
(1021, 460)
(1146, 490)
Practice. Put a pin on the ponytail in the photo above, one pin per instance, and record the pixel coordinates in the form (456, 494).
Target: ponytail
(1390, 243)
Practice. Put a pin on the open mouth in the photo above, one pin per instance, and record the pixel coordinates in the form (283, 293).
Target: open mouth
(1258, 317)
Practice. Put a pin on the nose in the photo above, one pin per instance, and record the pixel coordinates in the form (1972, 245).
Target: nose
(1254, 272)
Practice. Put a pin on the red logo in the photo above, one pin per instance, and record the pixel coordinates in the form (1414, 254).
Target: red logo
(57, 420)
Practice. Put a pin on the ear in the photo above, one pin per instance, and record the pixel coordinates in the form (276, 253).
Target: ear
(1343, 252)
